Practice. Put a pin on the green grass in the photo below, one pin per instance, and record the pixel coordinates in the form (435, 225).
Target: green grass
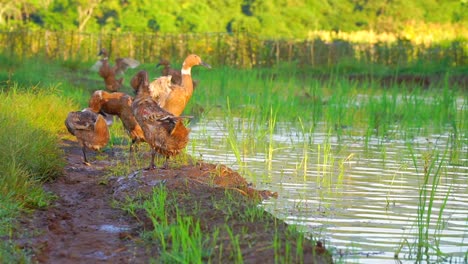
(37, 94)
(426, 245)
(31, 122)
(180, 236)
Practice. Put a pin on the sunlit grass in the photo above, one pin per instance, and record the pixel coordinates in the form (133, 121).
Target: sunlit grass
(430, 222)
(251, 102)
(31, 121)
(178, 233)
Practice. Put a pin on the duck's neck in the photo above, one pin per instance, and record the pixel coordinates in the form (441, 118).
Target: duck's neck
(142, 93)
(187, 83)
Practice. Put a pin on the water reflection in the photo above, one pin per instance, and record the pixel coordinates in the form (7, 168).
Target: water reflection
(360, 195)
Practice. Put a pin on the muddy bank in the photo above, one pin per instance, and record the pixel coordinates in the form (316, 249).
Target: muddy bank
(84, 225)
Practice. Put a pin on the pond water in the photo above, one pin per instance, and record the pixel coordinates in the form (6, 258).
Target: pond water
(361, 196)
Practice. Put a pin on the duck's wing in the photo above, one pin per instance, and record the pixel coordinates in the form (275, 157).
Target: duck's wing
(149, 113)
(122, 64)
(160, 89)
(83, 120)
(148, 110)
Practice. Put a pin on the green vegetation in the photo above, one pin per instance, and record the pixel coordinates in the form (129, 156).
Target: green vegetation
(277, 18)
(31, 122)
(338, 102)
(388, 100)
(186, 231)
(362, 54)
(426, 245)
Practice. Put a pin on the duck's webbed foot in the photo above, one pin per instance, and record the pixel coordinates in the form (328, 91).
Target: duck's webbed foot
(151, 167)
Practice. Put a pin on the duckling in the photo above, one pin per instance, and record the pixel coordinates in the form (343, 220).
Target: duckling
(119, 104)
(89, 128)
(164, 132)
(109, 73)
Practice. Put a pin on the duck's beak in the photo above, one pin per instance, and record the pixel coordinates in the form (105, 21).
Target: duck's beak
(205, 64)
(104, 114)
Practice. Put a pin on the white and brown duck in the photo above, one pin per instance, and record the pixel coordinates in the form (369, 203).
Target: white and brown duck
(175, 73)
(177, 96)
(164, 132)
(109, 73)
(89, 128)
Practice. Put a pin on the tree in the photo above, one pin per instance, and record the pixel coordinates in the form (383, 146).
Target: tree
(85, 12)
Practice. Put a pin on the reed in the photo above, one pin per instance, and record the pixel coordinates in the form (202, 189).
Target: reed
(426, 246)
(305, 148)
(427, 195)
(325, 165)
(232, 135)
(271, 129)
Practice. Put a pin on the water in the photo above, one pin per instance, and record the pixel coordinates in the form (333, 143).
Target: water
(360, 196)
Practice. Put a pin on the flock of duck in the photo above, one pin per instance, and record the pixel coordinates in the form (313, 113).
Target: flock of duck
(152, 116)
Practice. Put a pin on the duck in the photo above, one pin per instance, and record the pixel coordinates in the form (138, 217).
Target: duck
(109, 73)
(119, 104)
(176, 74)
(164, 132)
(89, 128)
(176, 98)
(167, 70)
(159, 89)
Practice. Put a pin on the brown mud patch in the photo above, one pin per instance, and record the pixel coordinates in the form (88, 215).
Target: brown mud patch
(84, 225)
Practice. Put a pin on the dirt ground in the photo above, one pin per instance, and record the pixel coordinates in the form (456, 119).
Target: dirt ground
(83, 225)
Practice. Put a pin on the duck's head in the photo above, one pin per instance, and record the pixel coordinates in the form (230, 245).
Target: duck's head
(140, 81)
(194, 60)
(163, 62)
(103, 52)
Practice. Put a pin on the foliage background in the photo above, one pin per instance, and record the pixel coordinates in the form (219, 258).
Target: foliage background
(267, 18)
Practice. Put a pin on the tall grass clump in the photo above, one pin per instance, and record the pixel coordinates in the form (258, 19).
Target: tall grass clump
(181, 239)
(187, 230)
(432, 202)
(31, 121)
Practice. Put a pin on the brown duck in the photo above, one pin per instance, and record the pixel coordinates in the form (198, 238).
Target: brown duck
(119, 104)
(89, 128)
(177, 97)
(164, 132)
(109, 73)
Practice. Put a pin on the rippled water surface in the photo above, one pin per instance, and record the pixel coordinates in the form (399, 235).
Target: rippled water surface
(359, 195)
